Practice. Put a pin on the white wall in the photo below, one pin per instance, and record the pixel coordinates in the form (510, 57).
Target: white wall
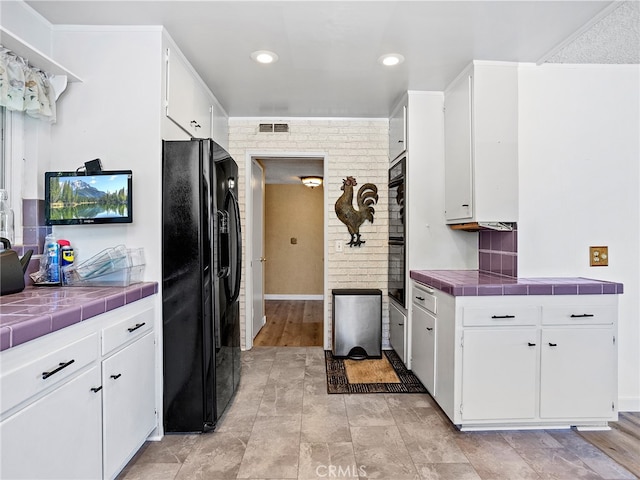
(579, 156)
(114, 115)
(349, 146)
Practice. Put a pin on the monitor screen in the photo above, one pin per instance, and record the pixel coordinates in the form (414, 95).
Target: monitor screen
(74, 198)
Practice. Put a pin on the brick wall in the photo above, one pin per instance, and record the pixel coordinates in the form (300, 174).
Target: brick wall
(351, 147)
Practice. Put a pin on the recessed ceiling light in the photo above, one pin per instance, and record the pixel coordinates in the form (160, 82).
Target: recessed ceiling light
(264, 56)
(391, 59)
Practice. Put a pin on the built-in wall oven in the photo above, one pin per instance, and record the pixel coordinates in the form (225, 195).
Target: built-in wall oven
(397, 255)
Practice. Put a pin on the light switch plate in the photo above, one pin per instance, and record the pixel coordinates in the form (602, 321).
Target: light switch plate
(599, 256)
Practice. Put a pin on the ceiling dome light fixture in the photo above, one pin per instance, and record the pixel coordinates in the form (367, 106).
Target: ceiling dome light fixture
(311, 182)
(264, 56)
(391, 59)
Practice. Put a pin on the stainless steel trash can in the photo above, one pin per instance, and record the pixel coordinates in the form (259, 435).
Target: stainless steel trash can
(357, 323)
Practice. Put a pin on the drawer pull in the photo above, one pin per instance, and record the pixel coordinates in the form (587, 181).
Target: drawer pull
(583, 315)
(553, 344)
(420, 298)
(531, 344)
(115, 377)
(503, 316)
(138, 325)
(429, 328)
(96, 389)
(62, 365)
(401, 324)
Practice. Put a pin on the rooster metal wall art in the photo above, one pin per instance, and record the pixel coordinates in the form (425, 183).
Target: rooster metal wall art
(352, 218)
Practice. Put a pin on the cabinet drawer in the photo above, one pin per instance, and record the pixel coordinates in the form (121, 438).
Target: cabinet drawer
(125, 330)
(26, 381)
(579, 315)
(500, 315)
(425, 297)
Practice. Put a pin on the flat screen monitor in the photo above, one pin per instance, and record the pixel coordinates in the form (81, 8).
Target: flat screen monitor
(74, 198)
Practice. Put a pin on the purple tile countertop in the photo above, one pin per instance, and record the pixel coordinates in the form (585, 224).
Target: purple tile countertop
(477, 283)
(36, 311)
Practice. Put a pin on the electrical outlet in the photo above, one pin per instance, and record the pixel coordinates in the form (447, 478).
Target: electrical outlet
(338, 246)
(599, 256)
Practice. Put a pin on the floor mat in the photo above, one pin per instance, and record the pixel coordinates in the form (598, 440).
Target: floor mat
(338, 381)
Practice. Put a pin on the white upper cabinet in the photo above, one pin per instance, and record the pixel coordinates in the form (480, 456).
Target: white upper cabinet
(398, 130)
(481, 144)
(188, 104)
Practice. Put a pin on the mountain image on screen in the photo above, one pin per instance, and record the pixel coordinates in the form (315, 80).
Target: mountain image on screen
(73, 198)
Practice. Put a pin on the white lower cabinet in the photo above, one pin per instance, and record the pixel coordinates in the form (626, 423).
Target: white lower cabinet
(128, 402)
(79, 402)
(578, 373)
(423, 347)
(57, 436)
(397, 330)
(499, 374)
(532, 361)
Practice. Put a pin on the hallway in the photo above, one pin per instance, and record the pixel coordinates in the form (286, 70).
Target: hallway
(292, 323)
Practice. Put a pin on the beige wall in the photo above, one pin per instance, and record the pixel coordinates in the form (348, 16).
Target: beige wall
(294, 212)
(356, 147)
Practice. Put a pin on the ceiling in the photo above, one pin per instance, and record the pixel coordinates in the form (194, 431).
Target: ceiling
(328, 50)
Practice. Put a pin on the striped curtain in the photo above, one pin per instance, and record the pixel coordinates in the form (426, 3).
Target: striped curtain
(24, 88)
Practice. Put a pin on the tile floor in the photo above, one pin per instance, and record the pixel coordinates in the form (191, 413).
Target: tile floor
(283, 425)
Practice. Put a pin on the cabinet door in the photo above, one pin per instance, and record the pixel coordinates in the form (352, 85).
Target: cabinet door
(398, 132)
(499, 373)
(186, 103)
(458, 151)
(578, 373)
(220, 126)
(58, 436)
(423, 347)
(129, 402)
(397, 326)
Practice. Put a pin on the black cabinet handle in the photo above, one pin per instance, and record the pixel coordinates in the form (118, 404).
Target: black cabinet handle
(138, 325)
(60, 366)
(573, 315)
(401, 324)
(553, 344)
(429, 328)
(115, 377)
(96, 389)
(465, 204)
(531, 344)
(503, 316)
(420, 298)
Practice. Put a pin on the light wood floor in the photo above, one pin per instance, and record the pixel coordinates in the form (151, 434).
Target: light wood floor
(292, 323)
(622, 442)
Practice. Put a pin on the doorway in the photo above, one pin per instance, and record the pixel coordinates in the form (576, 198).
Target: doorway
(286, 277)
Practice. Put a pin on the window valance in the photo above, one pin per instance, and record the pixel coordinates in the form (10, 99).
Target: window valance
(24, 88)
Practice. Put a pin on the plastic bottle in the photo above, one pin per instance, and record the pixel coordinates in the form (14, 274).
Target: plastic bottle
(66, 257)
(6, 218)
(52, 251)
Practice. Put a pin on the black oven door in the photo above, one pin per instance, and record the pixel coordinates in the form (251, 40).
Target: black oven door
(396, 200)
(397, 260)
(397, 270)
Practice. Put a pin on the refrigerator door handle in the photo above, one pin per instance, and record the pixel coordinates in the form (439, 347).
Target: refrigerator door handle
(231, 204)
(223, 244)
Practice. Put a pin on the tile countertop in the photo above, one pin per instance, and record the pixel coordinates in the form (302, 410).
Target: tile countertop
(36, 311)
(477, 283)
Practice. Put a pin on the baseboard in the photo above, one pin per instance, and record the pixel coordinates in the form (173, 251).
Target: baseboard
(292, 296)
(629, 404)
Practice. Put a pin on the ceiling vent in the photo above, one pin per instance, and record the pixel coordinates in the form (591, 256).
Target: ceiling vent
(274, 128)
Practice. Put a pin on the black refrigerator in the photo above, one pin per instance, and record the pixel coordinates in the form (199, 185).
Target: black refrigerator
(201, 268)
